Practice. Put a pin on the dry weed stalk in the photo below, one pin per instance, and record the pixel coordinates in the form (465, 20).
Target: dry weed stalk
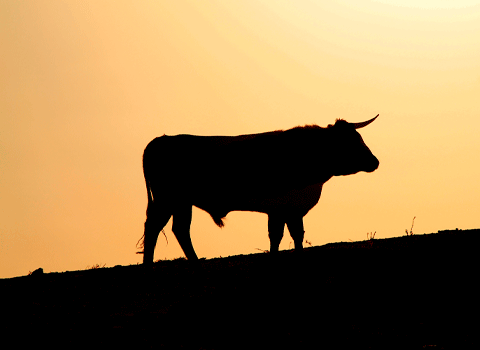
(265, 251)
(411, 229)
(141, 242)
(94, 267)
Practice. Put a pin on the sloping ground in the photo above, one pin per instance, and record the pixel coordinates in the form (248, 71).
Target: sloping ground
(411, 292)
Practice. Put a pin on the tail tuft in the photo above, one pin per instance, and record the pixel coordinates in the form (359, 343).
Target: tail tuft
(218, 220)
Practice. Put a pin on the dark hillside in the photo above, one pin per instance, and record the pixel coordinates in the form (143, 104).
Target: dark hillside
(411, 292)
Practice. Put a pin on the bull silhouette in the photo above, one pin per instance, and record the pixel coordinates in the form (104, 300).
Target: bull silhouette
(280, 173)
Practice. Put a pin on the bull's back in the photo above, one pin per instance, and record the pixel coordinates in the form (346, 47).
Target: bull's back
(207, 155)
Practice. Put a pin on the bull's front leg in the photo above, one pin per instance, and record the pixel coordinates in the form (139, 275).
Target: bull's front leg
(295, 227)
(276, 225)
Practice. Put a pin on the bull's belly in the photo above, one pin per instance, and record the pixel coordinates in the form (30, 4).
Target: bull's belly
(293, 202)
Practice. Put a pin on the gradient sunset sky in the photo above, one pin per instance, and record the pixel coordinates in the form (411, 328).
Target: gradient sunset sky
(85, 85)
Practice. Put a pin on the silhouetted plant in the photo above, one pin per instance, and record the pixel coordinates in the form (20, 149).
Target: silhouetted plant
(262, 250)
(180, 258)
(141, 242)
(411, 229)
(94, 267)
(370, 235)
(306, 242)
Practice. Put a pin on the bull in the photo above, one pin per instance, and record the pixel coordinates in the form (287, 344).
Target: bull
(280, 173)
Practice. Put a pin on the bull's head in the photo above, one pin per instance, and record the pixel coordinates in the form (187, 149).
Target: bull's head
(351, 154)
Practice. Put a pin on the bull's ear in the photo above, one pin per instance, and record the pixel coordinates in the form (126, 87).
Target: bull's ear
(363, 124)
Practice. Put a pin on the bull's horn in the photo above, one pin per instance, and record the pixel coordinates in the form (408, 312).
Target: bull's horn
(363, 124)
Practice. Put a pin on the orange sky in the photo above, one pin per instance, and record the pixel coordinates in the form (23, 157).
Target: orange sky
(86, 85)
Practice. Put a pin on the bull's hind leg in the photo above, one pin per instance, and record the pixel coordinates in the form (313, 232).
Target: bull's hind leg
(182, 218)
(157, 218)
(295, 227)
(276, 225)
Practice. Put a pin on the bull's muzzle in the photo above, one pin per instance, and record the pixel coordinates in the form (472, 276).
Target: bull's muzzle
(373, 165)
